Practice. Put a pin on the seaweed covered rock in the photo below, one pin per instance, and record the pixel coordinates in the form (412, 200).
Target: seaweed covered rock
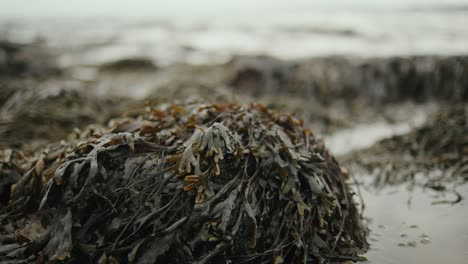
(185, 183)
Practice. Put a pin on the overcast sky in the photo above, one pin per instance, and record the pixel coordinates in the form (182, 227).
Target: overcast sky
(46, 8)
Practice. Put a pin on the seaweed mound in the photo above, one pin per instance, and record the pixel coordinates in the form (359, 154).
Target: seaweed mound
(52, 112)
(438, 150)
(185, 183)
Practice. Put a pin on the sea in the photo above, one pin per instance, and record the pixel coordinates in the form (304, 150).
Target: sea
(208, 31)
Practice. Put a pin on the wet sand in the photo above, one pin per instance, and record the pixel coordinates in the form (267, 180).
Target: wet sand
(407, 228)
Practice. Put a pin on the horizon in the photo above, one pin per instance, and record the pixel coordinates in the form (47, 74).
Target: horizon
(143, 8)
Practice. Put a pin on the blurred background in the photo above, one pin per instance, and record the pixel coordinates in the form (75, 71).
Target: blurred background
(212, 31)
(383, 83)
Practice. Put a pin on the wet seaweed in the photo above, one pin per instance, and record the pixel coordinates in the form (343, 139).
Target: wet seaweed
(129, 64)
(432, 156)
(33, 116)
(184, 184)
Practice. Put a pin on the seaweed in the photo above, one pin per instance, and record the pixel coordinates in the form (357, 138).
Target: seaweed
(437, 151)
(129, 64)
(34, 116)
(184, 183)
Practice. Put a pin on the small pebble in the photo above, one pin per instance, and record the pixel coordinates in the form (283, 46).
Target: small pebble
(425, 241)
(423, 235)
(411, 244)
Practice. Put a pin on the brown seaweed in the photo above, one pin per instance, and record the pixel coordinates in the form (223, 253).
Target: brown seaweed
(184, 184)
(440, 145)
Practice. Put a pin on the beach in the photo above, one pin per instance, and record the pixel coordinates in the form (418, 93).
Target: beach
(384, 86)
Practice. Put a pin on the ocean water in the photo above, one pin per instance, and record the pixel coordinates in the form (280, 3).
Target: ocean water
(207, 31)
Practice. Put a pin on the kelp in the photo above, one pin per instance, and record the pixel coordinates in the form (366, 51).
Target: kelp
(184, 183)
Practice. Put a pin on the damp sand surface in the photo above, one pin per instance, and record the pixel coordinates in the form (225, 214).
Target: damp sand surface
(406, 227)
(408, 223)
